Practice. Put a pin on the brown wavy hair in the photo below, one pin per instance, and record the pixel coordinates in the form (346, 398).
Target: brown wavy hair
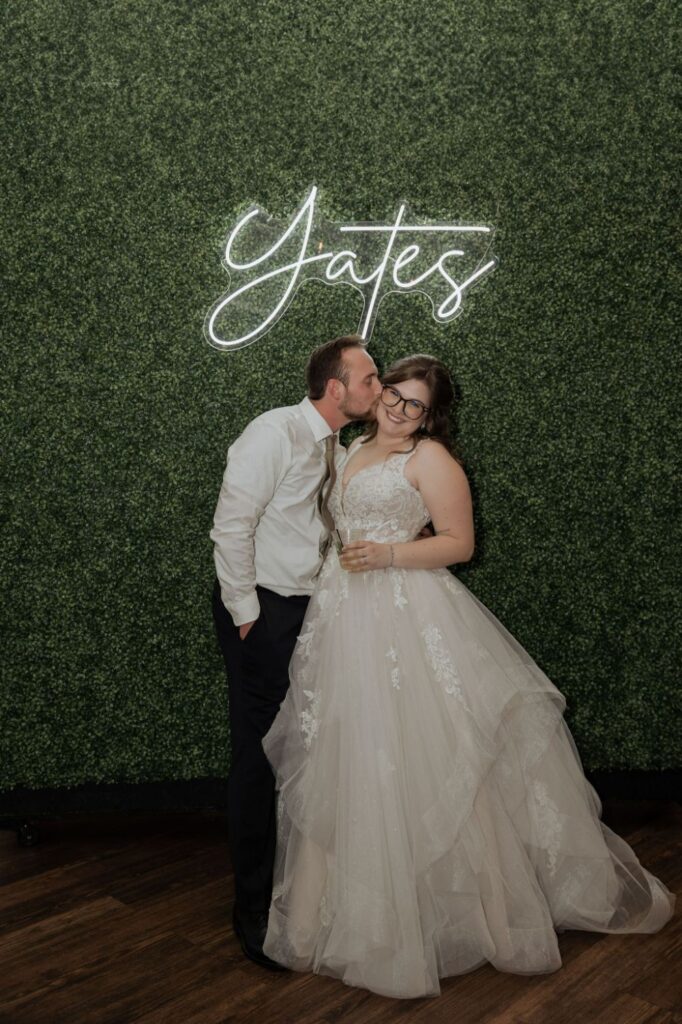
(326, 362)
(436, 376)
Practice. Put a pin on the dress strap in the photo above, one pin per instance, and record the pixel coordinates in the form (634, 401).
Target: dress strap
(351, 454)
(400, 458)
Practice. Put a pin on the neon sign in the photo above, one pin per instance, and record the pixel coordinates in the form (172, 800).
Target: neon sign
(271, 259)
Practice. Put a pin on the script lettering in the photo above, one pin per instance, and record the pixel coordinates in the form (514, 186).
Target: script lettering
(282, 256)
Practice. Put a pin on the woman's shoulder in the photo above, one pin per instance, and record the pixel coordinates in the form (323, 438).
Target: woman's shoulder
(355, 443)
(432, 456)
(427, 448)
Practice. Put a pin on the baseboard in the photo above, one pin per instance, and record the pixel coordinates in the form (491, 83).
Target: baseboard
(210, 794)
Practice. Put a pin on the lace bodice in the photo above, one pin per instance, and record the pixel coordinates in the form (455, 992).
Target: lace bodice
(380, 500)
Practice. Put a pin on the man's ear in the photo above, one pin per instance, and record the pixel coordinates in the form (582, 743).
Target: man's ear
(334, 389)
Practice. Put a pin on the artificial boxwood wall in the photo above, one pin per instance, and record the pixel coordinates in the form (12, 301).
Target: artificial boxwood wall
(136, 130)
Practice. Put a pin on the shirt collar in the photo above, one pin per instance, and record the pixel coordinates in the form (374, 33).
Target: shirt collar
(317, 423)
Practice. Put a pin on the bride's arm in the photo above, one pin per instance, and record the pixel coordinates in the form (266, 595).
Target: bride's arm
(445, 490)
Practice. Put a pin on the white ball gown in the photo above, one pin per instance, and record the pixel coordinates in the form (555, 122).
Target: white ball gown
(432, 811)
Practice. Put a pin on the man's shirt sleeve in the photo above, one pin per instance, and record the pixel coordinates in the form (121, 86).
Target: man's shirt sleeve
(256, 464)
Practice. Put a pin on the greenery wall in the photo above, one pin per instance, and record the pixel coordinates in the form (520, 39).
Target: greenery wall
(137, 130)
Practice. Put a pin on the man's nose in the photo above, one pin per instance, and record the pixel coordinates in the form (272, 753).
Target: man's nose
(377, 387)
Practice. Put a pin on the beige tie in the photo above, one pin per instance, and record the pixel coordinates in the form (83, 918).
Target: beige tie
(324, 492)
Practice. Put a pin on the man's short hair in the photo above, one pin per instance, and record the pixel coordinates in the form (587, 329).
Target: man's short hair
(326, 363)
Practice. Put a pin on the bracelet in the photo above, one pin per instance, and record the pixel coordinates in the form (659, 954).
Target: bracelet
(391, 562)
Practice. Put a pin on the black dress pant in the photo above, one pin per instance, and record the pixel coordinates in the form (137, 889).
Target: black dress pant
(258, 678)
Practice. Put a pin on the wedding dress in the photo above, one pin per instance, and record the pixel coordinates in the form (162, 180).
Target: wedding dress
(432, 811)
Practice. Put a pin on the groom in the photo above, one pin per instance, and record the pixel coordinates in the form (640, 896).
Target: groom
(269, 536)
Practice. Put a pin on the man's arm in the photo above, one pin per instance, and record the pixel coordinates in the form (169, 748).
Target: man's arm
(256, 463)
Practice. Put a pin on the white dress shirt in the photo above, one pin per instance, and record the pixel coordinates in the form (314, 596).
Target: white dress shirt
(266, 527)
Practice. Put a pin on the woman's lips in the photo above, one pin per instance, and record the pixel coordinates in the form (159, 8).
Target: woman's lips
(394, 419)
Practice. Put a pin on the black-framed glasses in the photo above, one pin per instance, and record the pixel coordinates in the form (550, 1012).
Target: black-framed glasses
(391, 397)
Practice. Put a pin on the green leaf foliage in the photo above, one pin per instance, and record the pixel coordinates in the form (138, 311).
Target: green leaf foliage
(135, 131)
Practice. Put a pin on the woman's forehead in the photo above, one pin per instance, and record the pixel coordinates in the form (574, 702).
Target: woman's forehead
(413, 389)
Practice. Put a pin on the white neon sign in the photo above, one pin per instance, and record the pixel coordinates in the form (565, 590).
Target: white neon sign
(273, 259)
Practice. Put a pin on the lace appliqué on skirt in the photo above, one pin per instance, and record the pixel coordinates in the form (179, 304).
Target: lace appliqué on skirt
(441, 662)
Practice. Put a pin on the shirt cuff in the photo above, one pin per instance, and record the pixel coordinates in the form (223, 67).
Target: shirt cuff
(246, 610)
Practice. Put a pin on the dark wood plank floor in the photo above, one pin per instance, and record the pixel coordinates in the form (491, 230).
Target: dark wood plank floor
(126, 920)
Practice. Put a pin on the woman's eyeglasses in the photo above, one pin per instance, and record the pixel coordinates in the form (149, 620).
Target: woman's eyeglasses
(391, 397)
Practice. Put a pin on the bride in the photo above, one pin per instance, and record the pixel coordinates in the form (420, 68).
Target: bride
(433, 814)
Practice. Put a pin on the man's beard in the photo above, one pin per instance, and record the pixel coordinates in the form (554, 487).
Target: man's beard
(354, 412)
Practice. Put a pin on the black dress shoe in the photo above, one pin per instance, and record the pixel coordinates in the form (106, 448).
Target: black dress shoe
(250, 929)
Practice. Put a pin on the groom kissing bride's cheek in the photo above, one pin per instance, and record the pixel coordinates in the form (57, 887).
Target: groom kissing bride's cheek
(397, 758)
(272, 529)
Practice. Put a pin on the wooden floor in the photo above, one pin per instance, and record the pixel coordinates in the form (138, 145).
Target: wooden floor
(115, 920)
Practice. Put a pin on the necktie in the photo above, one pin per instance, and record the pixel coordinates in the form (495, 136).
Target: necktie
(325, 491)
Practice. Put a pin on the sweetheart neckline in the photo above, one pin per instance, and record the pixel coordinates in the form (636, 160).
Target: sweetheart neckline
(383, 463)
(344, 486)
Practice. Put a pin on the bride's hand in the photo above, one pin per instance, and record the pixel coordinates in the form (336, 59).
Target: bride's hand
(360, 555)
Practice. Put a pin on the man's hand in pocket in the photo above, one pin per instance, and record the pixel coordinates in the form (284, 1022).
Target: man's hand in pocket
(244, 629)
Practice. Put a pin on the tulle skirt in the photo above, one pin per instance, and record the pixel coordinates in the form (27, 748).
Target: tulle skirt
(433, 814)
